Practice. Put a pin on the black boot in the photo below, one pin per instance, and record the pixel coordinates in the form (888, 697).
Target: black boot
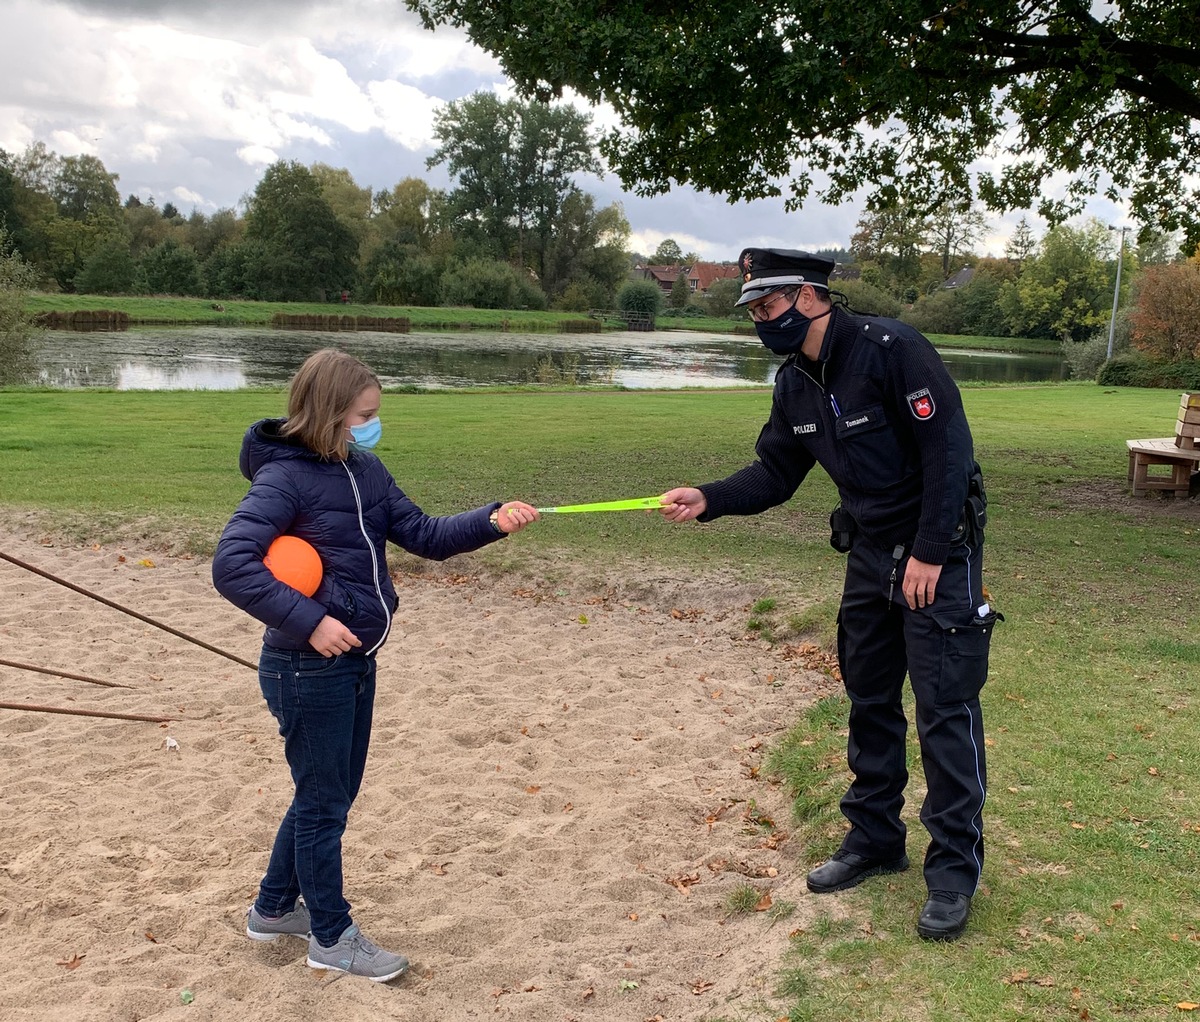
(944, 916)
(847, 870)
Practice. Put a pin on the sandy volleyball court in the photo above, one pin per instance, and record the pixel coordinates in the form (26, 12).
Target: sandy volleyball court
(557, 804)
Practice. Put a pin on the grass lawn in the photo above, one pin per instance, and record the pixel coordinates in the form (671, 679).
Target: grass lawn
(1091, 901)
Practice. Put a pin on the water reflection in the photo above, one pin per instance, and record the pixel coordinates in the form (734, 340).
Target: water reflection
(215, 358)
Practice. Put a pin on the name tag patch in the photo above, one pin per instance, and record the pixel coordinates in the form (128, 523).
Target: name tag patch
(860, 421)
(920, 403)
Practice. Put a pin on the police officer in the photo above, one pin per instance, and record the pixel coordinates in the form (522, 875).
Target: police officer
(871, 402)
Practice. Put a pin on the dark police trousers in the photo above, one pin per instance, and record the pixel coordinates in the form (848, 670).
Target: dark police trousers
(944, 648)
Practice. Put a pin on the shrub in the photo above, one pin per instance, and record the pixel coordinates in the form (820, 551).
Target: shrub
(1136, 370)
(640, 296)
(489, 284)
(1084, 358)
(938, 313)
(867, 298)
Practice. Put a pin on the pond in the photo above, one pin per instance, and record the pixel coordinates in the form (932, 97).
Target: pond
(230, 358)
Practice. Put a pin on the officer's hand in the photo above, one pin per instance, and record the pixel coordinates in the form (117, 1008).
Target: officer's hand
(331, 637)
(682, 504)
(920, 582)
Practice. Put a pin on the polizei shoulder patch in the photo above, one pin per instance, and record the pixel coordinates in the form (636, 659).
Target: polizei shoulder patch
(920, 403)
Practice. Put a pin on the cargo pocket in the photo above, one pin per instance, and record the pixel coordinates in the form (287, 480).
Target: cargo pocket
(966, 640)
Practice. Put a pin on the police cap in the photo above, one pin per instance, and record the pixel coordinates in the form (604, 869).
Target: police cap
(765, 270)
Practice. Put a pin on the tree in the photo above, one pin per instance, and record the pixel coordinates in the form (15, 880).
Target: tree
(513, 162)
(403, 213)
(301, 250)
(722, 295)
(18, 335)
(1066, 290)
(84, 188)
(169, 269)
(109, 270)
(1165, 321)
(953, 226)
(668, 253)
(891, 237)
(588, 248)
(350, 202)
(681, 292)
(1022, 244)
(902, 95)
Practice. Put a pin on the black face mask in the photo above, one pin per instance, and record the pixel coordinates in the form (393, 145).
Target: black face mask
(785, 334)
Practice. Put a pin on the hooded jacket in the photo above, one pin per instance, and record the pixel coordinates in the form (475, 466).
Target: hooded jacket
(347, 510)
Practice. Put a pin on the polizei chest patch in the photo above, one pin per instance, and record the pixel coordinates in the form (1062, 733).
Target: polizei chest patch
(920, 403)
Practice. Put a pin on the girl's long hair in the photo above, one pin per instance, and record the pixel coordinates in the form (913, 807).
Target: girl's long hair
(319, 398)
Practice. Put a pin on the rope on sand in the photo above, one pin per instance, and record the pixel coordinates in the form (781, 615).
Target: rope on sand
(126, 610)
(62, 674)
(86, 713)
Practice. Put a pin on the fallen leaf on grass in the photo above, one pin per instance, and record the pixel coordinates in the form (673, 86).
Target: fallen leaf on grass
(533, 789)
(74, 962)
(145, 562)
(1187, 1006)
(701, 985)
(764, 903)
(150, 937)
(439, 868)
(589, 993)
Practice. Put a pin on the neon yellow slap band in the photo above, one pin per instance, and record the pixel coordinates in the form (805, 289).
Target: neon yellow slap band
(636, 504)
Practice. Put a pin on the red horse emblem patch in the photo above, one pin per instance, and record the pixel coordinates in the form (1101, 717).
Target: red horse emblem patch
(921, 404)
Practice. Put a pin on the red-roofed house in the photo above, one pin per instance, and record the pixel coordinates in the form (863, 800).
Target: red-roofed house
(700, 277)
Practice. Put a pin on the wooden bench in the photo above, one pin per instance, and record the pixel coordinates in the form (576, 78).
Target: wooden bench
(1179, 454)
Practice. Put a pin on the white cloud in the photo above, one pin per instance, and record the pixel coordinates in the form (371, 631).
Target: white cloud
(257, 155)
(404, 112)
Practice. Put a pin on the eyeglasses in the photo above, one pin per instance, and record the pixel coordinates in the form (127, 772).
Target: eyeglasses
(762, 312)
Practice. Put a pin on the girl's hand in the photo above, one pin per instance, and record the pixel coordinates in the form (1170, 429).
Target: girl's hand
(331, 637)
(515, 515)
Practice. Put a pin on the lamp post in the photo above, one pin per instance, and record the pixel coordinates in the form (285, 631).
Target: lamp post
(1112, 321)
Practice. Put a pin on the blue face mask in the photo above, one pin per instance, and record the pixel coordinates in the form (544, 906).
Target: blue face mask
(367, 435)
(785, 334)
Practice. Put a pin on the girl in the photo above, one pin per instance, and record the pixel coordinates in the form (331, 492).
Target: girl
(312, 475)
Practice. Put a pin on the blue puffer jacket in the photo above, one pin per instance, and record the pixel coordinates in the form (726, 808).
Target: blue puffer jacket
(347, 511)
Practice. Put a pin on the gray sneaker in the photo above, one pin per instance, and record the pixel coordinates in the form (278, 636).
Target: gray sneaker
(291, 924)
(354, 954)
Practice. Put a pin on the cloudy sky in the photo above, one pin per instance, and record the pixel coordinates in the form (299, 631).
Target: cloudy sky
(190, 100)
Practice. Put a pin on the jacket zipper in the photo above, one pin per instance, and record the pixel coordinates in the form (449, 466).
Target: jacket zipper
(374, 562)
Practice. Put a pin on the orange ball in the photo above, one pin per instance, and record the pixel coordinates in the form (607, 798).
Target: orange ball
(295, 563)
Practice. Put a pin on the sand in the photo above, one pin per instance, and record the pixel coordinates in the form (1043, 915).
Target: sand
(563, 791)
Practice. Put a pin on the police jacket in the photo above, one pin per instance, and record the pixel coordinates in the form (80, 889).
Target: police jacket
(347, 510)
(880, 413)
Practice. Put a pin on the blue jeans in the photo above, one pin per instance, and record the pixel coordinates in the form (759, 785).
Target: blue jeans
(324, 707)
